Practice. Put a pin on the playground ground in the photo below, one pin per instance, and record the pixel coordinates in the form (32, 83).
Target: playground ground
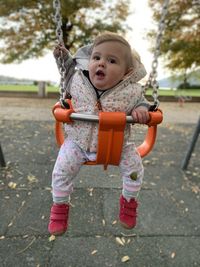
(168, 229)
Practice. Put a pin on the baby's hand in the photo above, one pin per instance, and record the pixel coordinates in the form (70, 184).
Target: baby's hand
(60, 51)
(140, 115)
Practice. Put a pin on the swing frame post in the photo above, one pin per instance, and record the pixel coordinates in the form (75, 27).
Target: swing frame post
(2, 159)
(186, 160)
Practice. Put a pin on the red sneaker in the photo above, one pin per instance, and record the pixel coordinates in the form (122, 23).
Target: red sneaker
(58, 219)
(127, 213)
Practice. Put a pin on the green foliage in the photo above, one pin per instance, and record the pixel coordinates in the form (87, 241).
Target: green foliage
(181, 40)
(189, 86)
(28, 28)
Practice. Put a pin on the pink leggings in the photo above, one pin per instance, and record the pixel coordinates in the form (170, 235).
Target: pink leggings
(70, 159)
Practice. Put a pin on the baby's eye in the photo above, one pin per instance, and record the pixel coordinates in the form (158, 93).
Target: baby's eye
(96, 57)
(112, 60)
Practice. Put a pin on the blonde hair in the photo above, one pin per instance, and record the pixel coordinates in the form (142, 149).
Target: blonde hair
(131, 55)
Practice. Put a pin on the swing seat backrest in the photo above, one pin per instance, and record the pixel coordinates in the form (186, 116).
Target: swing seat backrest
(110, 135)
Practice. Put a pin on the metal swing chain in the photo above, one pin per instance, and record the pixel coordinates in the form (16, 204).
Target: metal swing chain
(58, 20)
(59, 35)
(153, 75)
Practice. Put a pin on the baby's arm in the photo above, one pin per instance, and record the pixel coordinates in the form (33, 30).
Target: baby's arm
(140, 114)
(64, 60)
(60, 51)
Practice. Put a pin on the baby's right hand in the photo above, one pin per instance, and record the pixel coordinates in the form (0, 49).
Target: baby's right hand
(60, 51)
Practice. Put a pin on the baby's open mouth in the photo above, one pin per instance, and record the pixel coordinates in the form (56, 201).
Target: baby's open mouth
(100, 73)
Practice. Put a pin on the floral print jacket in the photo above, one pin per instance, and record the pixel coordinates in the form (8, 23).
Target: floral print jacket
(124, 97)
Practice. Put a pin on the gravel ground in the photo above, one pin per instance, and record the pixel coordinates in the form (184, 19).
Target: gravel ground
(168, 229)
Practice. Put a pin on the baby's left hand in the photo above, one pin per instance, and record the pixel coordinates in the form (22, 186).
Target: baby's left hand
(140, 115)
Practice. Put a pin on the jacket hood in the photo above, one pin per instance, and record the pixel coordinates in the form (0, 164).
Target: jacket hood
(83, 54)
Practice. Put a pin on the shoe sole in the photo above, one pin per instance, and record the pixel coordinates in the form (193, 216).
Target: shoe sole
(126, 226)
(57, 233)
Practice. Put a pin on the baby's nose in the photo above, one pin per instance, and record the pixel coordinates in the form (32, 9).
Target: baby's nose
(102, 62)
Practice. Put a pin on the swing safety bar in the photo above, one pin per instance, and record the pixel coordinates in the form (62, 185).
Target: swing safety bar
(154, 118)
(110, 132)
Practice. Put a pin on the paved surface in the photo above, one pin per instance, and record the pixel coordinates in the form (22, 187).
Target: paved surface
(168, 230)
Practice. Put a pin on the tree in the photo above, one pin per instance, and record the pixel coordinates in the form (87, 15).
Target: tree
(181, 40)
(28, 28)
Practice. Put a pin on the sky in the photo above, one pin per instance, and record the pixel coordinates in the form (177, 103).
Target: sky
(45, 68)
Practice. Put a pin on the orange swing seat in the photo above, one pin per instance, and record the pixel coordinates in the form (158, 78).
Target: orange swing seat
(111, 133)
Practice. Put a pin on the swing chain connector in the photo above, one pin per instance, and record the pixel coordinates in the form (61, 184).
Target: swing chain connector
(152, 80)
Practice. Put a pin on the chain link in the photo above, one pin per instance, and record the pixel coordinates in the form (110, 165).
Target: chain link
(58, 20)
(152, 80)
(59, 35)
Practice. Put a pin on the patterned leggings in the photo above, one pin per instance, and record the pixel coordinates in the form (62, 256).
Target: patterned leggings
(70, 159)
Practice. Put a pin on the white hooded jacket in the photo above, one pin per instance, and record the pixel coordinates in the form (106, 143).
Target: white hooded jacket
(123, 97)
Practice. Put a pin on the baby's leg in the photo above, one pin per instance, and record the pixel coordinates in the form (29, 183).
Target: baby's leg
(132, 174)
(67, 166)
(68, 163)
(132, 171)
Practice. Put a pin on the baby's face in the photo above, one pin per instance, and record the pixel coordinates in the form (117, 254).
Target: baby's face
(107, 65)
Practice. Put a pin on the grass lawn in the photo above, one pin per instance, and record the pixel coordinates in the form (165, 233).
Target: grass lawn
(176, 93)
(25, 88)
(162, 92)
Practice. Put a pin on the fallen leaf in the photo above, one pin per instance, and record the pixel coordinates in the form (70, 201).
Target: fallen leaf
(10, 224)
(146, 161)
(119, 241)
(173, 255)
(195, 189)
(47, 188)
(112, 175)
(123, 240)
(52, 238)
(12, 185)
(125, 259)
(32, 179)
(90, 191)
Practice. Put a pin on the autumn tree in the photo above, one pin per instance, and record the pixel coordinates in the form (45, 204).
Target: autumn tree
(27, 28)
(181, 40)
